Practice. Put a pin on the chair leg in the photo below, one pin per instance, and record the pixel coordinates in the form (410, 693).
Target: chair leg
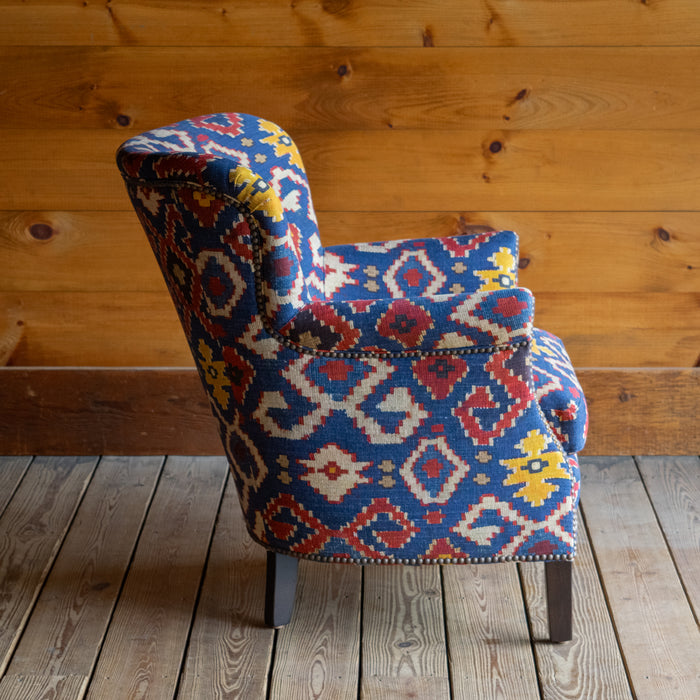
(280, 589)
(559, 600)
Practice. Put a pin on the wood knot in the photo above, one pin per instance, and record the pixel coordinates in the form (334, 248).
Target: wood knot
(663, 234)
(123, 120)
(495, 146)
(523, 263)
(428, 37)
(344, 70)
(41, 231)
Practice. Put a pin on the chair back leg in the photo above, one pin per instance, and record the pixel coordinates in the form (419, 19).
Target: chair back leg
(559, 600)
(280, 589)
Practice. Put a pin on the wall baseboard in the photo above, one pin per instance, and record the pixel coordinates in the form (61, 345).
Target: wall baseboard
(140, 411)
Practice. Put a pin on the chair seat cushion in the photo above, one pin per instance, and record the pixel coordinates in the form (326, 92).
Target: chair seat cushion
(423, 267)
(558, 391)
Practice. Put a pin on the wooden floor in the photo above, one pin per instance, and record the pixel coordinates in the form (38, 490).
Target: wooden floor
(134, 578)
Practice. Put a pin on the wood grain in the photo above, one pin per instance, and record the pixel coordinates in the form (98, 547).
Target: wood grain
(403, 635)
(350, 23)
(33, 526)
(73, 251)
(651, 612)
(144, 646)
(12, 471)
(533, 170)
(229, 652)
(614, 251)
(317, 653)
(11, 332)
(488, 637)
(93, 329)
(125, 412)
(652, 412)
(673, 484)
(66, 628)
(590, 666)
(42, 687)
(361, 88)
(159, 411)
(354, 170)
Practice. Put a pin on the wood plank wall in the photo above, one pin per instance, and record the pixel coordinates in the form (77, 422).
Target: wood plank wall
(574, 122)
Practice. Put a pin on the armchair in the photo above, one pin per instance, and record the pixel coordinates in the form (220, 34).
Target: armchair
(383, 403)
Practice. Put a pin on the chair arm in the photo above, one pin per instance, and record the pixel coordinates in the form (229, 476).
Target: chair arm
(449, 323)
(421, 267)
(558, 391)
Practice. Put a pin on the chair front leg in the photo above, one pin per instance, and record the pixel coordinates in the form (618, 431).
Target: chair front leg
(280, 588)
(559, 600)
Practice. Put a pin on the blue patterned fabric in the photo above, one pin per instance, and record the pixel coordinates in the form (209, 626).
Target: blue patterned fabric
(385, 402)
(425, 267)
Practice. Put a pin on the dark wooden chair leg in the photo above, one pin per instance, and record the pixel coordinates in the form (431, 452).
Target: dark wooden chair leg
(280, 589)
(559, 600)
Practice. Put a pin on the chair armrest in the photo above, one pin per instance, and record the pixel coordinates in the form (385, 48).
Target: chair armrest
(448, 323)
(422, 267)
(558, 391)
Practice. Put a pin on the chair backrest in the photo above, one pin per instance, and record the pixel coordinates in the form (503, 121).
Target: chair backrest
(258, 166)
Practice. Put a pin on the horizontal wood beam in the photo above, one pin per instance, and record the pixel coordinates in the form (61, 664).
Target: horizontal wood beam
(360, 88)
(361, 23)
(408, 170)
(128, 411)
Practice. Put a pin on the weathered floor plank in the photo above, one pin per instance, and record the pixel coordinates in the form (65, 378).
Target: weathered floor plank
(489, 642)
(230, 651)
(404, 648)
(318, 653)
(33, 527)
(42, 687)
(12, 469)
(590, 666)
(673, 484)
(145, 643)
(66, 628)
(655, 626)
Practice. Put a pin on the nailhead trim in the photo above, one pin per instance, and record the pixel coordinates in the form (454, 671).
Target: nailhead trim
(362, 561)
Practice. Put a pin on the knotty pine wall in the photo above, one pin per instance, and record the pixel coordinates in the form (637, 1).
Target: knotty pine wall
(574, 122)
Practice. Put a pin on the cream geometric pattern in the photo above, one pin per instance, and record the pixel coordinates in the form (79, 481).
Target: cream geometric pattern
(419, 460)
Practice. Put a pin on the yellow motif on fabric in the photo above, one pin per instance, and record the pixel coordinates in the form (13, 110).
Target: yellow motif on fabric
(203, 199)
(253, 191)
(503, 276)
(215, 374)
(282, 142)
(538, 349)
(534, 469)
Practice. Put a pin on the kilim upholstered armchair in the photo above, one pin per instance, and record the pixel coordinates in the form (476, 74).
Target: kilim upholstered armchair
(383, 403)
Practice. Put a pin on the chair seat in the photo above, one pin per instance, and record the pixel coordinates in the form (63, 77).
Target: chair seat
(421, 267)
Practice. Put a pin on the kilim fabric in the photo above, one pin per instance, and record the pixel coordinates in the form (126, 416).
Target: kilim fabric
(385, 402)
